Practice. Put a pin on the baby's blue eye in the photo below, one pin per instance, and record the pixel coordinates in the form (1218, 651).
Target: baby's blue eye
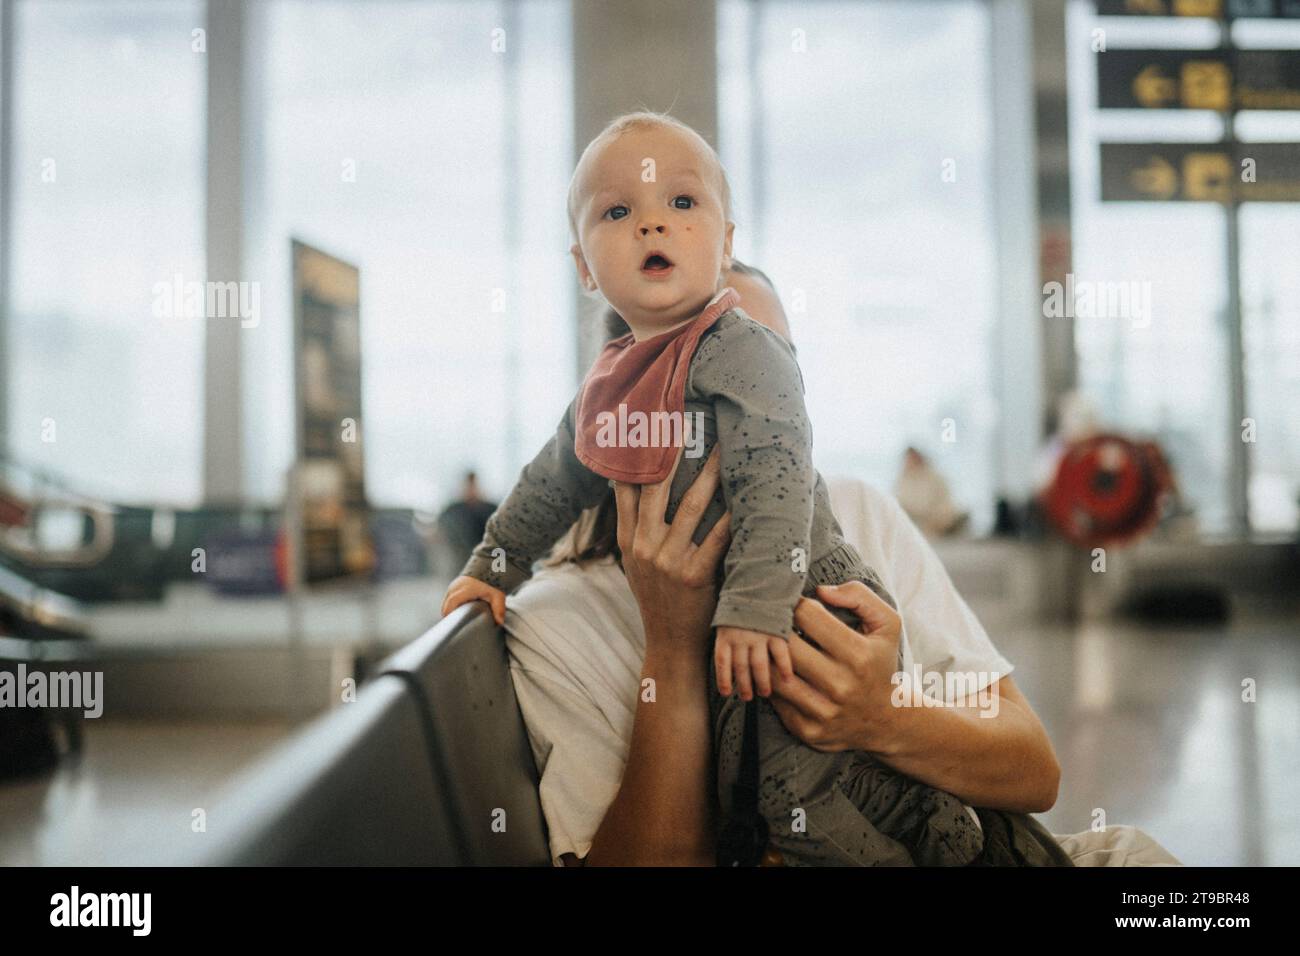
(612, 208)
(687, 198)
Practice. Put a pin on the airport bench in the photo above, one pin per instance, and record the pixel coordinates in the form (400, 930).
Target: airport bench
(429, 766)
(478, 743)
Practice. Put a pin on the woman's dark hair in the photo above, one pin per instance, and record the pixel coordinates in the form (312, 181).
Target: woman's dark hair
(595, 534)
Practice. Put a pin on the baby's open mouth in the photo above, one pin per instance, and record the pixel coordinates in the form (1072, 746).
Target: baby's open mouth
(656, 262)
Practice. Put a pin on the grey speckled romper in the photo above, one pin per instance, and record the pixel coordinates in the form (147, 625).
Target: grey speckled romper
(842, 808)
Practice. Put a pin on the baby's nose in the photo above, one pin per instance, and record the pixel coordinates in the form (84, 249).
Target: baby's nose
(646, 227)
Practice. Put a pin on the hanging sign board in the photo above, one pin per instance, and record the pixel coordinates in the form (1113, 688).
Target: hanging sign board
(1199, 79)
(1209, 172)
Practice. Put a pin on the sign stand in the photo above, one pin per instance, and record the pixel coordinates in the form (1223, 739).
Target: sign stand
(297, 688)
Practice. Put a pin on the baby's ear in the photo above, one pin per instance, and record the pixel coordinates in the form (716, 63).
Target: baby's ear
(726, 246)
(584, 274)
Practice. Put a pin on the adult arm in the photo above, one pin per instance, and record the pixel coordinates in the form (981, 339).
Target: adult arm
(1005, 761)
(663, 813)
(842, 697)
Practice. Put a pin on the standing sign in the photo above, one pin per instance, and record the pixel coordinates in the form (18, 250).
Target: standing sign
(329, 482)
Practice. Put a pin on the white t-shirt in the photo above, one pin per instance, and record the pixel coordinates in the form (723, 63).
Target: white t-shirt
(577, 646)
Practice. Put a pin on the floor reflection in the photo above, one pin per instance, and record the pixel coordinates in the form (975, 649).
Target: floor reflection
(1151, 728)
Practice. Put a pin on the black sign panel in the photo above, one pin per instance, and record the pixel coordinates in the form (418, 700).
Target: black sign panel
(335, 535)
(1215, 9)
(1196, 172)
(1199, 79)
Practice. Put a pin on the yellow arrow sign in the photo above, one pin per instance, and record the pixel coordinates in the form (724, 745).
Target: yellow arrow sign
(1208, 176)
(1159, 179)
(1198, 8)
(1152, 88)
(1207, 85)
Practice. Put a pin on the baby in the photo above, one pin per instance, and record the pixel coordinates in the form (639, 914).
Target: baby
(649, 205)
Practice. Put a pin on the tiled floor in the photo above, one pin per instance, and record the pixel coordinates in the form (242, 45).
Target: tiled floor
(1149, 725)
(134, 777)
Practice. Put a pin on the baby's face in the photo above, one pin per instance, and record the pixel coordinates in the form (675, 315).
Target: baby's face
(623, 220)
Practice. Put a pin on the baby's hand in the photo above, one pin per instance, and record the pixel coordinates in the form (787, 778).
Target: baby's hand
(465, 589)
(745, 653)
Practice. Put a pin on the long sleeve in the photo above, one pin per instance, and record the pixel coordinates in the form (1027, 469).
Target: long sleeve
(552, 491)
(750, 376)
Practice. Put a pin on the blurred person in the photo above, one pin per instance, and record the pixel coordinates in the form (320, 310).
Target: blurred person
(461, 524)
(924, 495)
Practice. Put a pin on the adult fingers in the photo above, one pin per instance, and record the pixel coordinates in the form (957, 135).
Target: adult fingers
(862, 601)
(654, 500)
(810, 661)
(798, 695)
(626, 498)
(837, 639)
(702, 561)
(695, 502)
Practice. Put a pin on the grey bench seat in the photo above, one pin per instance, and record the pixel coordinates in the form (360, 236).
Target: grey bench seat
(429, 766)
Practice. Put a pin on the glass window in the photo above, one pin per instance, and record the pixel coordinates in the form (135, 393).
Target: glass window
(105, 388)
(1170, 379)
(1270, 299)
(857, 140)
(1162, 375)
(1270, 303)
(426, 144)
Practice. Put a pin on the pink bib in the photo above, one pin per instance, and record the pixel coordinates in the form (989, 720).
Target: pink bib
(642, 377)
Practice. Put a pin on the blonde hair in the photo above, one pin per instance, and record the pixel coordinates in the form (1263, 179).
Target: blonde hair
(643, 119)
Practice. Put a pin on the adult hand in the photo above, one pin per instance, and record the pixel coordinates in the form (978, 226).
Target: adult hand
(671, 577)
(839, 696)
